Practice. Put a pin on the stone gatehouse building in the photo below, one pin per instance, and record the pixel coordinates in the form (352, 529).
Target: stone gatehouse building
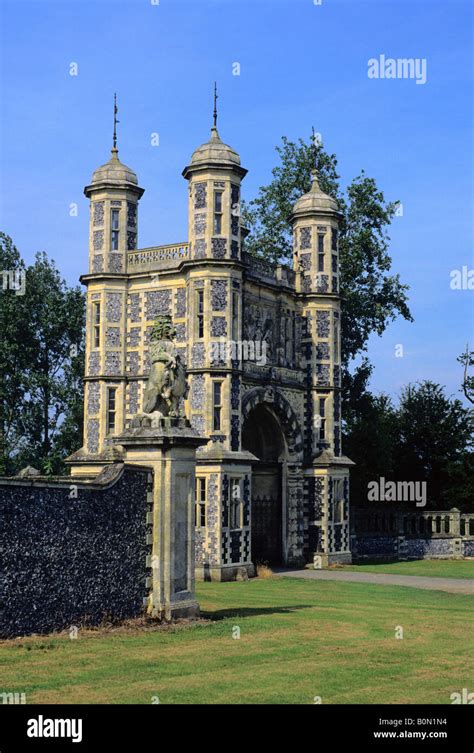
(262, 348)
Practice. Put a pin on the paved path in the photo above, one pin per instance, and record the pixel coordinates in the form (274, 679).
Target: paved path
(454, 585)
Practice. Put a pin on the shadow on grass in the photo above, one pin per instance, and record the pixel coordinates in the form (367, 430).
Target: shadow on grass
(222, 614)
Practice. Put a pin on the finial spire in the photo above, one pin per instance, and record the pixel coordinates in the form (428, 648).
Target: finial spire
(115, 123)
(215, 105)
(314, 171)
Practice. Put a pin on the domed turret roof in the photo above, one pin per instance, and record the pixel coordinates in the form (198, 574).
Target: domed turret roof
(114, 171)
(214, 151)
(114, 174)
(315, 201)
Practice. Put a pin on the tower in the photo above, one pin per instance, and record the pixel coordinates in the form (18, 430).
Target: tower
(114, 194)
(316, 220)
(214, 289)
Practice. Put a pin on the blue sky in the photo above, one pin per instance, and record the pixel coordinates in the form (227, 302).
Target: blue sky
(300, 64)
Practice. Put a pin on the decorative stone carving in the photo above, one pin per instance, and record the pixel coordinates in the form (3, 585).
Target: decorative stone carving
(234, 433)
(305, 237)
(98, 240)
(131, 214)
(322, 283)
(93, 435)
(322, 323)
(218, 295)
(94, 363)
(112, 364)
(112, 337)
(180, 306)
(157, 303)
(133, 398)
(198, 354)
(167, 379)
(98, 263)
(235, 393)
(199, 223)
(218, 326)
(197, 422)
(113, 307)
(218, 248)
(134, 307)
(200, 249)
(234, 225)
(131, 240)
(234, 249)
(322, 352)
(234, 197)
(116, 263)
(98, 213)
(322, 373)
(200, 196)
(134, 337)
(133, 365)
(197, 392)
(93, 398)
(305, 262)
(180, 330)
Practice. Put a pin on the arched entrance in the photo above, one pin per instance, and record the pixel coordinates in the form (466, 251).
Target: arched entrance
(263, 437)
(271, 432)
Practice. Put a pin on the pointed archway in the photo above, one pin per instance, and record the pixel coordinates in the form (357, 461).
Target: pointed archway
(270, 431)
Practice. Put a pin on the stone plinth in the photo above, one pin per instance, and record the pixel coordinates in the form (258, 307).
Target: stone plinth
(168, 446)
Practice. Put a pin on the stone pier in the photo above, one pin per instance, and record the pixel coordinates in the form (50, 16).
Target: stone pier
(168, 446)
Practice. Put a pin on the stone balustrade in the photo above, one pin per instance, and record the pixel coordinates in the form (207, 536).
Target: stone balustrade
(396, 534)
(157, 257)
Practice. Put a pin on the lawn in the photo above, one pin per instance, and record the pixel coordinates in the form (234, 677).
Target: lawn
(298, 639)
(433, 568)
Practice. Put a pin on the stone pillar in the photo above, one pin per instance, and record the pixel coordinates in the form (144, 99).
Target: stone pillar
(168, 446)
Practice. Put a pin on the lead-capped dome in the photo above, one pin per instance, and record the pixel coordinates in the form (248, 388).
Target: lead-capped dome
(315, 201)
(114, 171)
(214, 151)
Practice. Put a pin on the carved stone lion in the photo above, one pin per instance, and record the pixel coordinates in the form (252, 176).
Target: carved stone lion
(167, 378)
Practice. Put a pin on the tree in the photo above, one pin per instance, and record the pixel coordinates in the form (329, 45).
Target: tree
(435, 440)
(44, 343)
(14, 352)
(369, 434)
(372, 297)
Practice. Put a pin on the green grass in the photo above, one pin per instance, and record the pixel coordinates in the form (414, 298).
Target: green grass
(433, 568)
(299, 639)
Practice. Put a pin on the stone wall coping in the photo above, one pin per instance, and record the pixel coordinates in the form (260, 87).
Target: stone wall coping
(105, 479)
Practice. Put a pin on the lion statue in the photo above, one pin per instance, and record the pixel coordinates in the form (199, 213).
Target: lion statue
(167, 378)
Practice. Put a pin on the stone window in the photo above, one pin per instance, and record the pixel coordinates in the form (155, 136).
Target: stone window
(200, 502)
(96, 324)
(111, 409)
(320, 253)
(218, 212)
(235, 506)
(199, 313)
(114, 229)
(216, 405)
